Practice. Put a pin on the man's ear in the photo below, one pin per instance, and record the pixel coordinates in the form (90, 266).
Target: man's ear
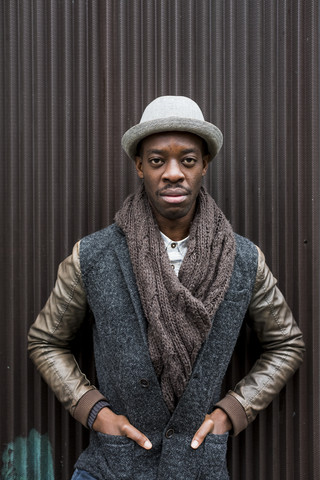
(138, 163)
(205, 160)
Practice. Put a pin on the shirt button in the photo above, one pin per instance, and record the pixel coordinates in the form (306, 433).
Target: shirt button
(172, 266)
(173, 245)
(169, 433)
(144, 383)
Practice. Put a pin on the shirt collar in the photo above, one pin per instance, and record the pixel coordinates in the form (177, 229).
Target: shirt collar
(181, 245)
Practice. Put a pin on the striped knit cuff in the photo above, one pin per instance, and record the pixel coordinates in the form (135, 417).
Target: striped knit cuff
(95, 410)
(233, 408)
(83, 407)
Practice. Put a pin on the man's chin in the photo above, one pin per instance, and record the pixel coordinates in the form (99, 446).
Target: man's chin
(175, 213)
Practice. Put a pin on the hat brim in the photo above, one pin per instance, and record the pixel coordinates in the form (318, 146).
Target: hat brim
(209, 132)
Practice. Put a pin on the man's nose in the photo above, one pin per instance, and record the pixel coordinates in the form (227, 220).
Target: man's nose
(173, 172)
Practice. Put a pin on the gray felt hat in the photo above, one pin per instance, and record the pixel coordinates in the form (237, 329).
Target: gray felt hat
(176, 114)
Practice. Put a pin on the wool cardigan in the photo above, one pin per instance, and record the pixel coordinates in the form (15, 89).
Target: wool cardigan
(127, 378)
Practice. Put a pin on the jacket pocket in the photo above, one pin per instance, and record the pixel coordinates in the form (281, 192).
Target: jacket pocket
(214, 466)
(115, 455)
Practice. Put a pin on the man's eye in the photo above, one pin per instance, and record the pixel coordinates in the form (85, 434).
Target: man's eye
(156, 161)
(189, 161)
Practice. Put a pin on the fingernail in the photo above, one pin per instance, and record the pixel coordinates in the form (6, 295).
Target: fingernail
(194, 444)
(147, 444)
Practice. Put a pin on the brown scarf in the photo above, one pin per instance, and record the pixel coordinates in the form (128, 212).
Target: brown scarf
(180, 310)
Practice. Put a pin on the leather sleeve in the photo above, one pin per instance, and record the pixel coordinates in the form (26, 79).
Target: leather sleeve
(50, 336)
(283, 348)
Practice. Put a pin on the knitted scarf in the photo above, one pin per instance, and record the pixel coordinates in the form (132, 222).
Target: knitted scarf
(179, 310)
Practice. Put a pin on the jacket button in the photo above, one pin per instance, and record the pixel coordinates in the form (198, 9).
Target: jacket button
(169, 433)
(144, 383)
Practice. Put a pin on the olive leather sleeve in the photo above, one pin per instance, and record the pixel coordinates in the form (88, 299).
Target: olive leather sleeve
(56, 325)
(50, 336)
(282, 351)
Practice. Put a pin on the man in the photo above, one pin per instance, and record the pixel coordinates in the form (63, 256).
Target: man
(169, 284)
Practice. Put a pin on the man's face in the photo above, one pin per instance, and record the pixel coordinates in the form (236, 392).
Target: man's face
(172, 165)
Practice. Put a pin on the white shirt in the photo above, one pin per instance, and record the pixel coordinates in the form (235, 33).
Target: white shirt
(176, 251)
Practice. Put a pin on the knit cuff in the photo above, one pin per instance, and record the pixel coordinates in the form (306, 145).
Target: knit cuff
(235, 411)
(95, 410)
(85, 404)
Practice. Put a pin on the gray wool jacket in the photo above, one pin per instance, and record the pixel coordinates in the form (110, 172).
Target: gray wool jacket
(125, 372)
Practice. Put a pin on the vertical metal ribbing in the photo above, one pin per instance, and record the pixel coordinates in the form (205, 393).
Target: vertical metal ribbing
(11, 174)
(94, 100)
(23, 389)
(74, 75)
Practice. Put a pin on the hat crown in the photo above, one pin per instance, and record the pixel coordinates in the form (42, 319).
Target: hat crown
(172, 106)
(172, 113)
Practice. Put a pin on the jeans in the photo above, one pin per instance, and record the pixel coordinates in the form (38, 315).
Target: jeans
(82, 475)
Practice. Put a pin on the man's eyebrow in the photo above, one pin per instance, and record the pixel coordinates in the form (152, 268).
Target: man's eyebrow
(189, 150)
(154, 150)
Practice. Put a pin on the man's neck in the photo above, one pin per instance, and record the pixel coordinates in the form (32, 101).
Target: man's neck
(175, 230)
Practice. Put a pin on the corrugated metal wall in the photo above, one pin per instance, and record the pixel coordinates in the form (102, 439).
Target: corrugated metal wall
(74, 75)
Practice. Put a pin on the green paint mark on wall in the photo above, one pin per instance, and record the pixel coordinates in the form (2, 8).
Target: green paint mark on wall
(28, 458)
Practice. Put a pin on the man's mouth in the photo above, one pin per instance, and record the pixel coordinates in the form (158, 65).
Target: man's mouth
(174, 195)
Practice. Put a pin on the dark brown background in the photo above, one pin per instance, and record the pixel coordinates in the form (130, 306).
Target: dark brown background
(74, 75)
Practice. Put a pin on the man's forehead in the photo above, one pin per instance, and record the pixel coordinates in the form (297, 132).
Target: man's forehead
(163, 139)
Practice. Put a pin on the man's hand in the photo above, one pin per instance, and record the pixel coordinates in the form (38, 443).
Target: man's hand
(111, 424)
(217, 423)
